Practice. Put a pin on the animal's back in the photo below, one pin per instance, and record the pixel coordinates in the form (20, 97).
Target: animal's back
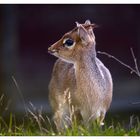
(107, 94)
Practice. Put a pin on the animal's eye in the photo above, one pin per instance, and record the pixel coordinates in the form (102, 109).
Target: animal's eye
(68, 42)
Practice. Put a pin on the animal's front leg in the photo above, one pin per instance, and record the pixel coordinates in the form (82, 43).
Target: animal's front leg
(62, 118)
(100, 119)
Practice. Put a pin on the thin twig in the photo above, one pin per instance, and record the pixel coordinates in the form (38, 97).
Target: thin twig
(135, 62)
(136, 70)
(135, 103)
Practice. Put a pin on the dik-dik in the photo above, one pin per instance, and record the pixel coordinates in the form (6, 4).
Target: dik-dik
(79, 79)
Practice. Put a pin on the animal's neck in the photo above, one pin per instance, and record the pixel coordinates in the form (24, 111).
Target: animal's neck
(85, 66)
(87, 74)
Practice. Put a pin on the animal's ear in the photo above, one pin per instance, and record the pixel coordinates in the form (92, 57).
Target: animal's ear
(90, 25)
(87, 22)
(89, 28)
(83, 34)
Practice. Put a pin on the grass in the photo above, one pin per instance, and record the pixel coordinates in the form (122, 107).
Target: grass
(34, 124)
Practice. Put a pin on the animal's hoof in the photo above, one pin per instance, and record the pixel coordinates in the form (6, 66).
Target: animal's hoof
(101, 123)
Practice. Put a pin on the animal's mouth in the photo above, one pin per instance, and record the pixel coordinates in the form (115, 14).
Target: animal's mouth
(52, 51)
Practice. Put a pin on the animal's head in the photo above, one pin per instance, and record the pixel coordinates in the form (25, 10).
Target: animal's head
(78, 41)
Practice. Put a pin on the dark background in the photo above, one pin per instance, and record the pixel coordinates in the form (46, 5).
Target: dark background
(26, 31)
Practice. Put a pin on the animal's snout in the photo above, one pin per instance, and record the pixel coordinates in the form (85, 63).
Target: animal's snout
(51, 50)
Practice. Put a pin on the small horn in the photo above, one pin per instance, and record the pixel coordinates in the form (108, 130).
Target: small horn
(77, 24)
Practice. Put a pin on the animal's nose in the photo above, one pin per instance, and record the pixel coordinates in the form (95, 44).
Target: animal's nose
(50, 50)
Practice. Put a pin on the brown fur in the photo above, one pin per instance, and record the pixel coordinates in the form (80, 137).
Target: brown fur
(81, 75)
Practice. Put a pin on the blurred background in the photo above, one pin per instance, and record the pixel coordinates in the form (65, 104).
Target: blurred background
(26, 31)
